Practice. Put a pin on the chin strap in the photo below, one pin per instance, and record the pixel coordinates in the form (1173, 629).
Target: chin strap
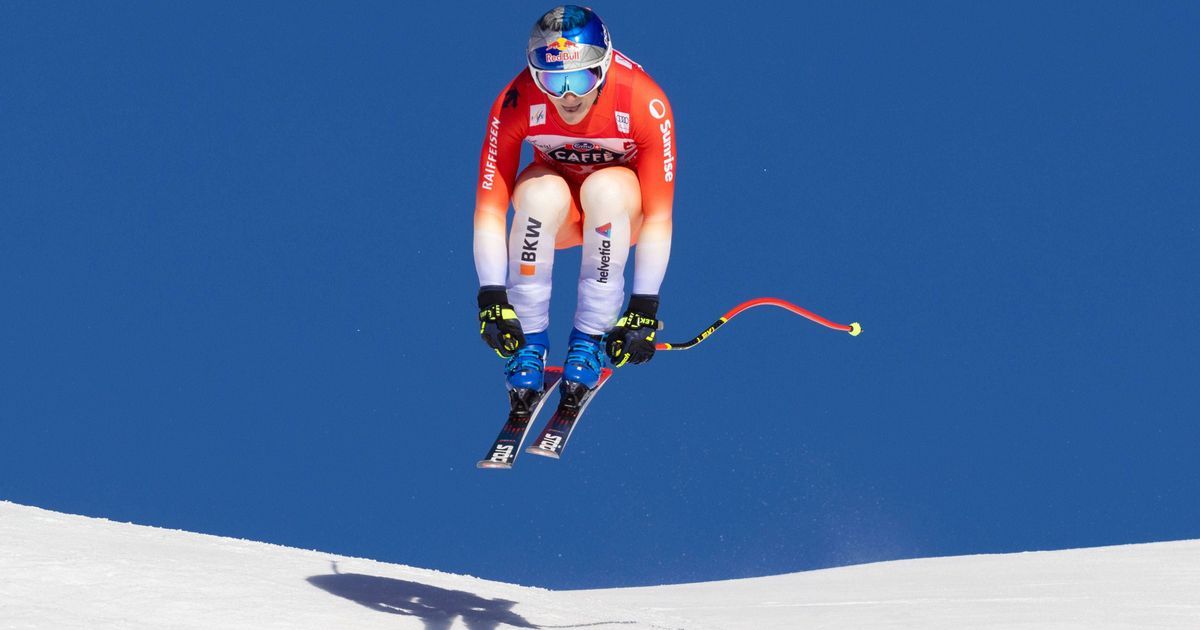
(854, 329)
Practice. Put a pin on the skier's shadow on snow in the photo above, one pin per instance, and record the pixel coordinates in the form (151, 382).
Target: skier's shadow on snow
(437, 607)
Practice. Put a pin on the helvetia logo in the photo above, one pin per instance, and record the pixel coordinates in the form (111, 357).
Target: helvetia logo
(605, 252)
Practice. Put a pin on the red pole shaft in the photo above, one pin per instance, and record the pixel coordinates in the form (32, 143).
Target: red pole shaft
(784, 304)
(854, 329)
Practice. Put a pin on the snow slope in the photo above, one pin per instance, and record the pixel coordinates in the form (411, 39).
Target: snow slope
(59, 571)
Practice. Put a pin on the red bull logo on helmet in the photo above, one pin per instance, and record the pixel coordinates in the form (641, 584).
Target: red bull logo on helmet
(562, 50)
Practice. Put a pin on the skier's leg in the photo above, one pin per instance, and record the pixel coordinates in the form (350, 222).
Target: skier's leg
(612, 211)
(541, 201)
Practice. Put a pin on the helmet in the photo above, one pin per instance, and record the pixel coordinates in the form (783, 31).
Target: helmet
(569, 51)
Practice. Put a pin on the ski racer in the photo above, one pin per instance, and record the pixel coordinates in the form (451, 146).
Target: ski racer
(602, 177)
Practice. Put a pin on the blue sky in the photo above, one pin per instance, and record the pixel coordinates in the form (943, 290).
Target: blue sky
(238, 294)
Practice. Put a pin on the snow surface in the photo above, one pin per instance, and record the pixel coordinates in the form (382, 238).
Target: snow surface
(59, 571)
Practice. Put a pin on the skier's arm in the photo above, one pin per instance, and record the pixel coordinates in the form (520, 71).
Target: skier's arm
(654, 131)
(631, 340)
(498, 163)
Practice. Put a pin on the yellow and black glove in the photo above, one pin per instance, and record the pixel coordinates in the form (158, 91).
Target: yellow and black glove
(632, 339)
(498, 323)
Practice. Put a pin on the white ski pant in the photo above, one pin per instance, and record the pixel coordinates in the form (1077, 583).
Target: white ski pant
(611, 206)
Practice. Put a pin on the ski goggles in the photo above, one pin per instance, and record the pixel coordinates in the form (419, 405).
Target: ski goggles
(557, 83)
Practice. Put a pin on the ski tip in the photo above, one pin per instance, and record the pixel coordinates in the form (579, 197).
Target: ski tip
(490, 464)
(533, 450)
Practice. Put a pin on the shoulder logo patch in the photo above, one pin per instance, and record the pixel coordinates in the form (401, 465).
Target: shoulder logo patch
(537, 114)
(658, 109)
(622, 121)
(510, 98)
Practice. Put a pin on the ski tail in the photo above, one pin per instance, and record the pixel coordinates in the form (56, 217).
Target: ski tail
(523, 411)
(553, 439)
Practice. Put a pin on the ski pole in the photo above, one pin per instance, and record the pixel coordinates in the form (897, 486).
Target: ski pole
(854, 329)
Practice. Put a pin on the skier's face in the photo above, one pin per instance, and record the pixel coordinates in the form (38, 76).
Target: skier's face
(572, 108)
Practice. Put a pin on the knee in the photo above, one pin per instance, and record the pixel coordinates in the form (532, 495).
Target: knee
(546, 196)
(609, 191)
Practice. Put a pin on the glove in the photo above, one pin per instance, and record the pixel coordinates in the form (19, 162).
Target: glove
(498, 323)
(632, 339)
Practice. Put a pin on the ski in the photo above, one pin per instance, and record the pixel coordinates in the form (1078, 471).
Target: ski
(524, 408)
(571, 406)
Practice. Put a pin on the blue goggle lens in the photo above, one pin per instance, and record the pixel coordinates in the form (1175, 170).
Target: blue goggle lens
(578, 82)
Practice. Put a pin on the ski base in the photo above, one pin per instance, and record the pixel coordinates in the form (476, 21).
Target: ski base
(524, 409)
(553, 439)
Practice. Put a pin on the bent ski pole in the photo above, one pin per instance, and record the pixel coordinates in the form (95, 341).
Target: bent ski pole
(854, 329)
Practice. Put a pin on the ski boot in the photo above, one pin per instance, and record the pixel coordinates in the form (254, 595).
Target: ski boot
(581, 370)
(524, 372)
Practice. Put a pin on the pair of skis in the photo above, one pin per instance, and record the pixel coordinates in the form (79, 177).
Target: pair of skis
(525, 405)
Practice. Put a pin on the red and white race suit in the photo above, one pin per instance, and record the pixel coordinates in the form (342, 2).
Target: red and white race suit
(630, 125)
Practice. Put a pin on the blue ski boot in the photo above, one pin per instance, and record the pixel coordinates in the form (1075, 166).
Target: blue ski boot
(524, 369)
(585, 359)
